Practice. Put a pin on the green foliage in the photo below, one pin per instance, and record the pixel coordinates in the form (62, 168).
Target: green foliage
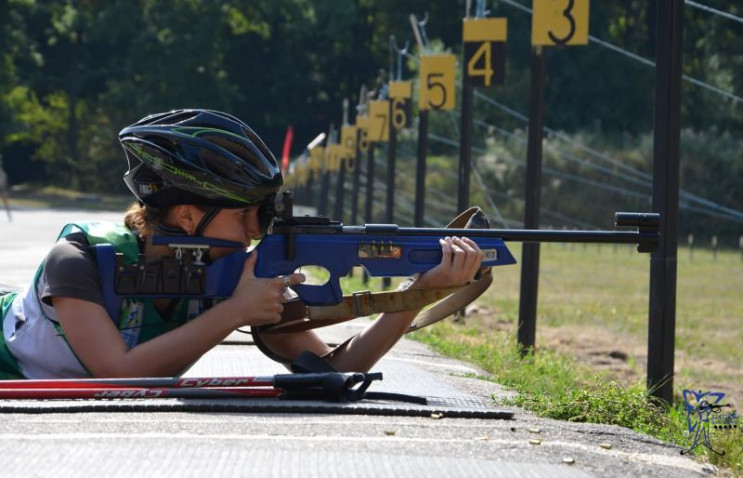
(77, 72)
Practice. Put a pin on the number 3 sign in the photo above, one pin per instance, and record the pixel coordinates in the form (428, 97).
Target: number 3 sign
(560, 22)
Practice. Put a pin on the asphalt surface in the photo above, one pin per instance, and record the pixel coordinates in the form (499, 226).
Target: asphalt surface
(152, 442)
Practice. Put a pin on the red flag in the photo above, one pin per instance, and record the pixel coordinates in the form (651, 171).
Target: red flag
(287, 149)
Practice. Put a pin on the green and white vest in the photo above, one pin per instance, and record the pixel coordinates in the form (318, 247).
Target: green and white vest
(34, 343)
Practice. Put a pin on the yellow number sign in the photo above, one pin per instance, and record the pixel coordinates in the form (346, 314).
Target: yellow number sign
(348, 140)
(560, 22)
(317, 159)
(334, 156)
(379, 117)
(363, 124)
(485, 50)
(436, 90)
(300, 172)
(401, 95)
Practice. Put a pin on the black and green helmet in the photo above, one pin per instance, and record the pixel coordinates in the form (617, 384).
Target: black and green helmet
(198, 157)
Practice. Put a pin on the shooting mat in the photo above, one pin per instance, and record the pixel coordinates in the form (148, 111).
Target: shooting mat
(409, 371)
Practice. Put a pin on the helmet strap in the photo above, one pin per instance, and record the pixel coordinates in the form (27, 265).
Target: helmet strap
(166, 230)
(205, 220)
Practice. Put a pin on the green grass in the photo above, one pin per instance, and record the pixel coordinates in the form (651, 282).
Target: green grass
(606, 288)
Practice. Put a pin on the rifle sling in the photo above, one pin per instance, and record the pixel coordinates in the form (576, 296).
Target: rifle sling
(298, 317)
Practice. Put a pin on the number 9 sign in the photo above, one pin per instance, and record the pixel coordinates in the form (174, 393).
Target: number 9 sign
(560, 22)
(436, 89)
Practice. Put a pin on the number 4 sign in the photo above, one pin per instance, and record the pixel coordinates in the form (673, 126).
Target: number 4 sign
(485, 50)
(560, 22)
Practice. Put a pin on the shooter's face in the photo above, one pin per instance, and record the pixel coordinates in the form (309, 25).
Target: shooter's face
(237, 225)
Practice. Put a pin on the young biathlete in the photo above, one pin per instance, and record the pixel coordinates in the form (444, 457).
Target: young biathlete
(197, 173)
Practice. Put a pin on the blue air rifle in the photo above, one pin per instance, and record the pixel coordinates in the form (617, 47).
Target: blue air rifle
(384, 250)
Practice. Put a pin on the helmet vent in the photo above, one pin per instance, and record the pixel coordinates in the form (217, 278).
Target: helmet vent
(241, 151)
(220, 166)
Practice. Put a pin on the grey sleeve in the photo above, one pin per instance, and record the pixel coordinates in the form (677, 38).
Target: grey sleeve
(71, 271)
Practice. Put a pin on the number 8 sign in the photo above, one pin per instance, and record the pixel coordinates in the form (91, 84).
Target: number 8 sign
(436, 88)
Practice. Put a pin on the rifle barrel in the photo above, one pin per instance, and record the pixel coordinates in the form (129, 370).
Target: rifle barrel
(541, 235)
(646, 235)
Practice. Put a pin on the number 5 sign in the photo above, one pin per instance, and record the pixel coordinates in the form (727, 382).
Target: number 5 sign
(436, 90)
(560, 22)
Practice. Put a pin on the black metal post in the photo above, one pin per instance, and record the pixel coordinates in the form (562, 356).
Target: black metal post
(527, 325)
(369, 204)
(356, 188)
(310, 193)
(420, 174)
(322, 207)
(465, 143)
(389, 216)
(663, 263)
(339, 192)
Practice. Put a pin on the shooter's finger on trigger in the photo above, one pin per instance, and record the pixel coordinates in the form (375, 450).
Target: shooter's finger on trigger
(291, 279)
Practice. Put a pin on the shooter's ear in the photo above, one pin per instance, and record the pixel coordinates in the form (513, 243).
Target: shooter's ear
(186, 216)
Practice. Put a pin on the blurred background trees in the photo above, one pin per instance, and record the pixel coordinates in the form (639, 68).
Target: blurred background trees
(73, 73)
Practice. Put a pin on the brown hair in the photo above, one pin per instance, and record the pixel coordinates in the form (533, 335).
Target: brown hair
(144, 219)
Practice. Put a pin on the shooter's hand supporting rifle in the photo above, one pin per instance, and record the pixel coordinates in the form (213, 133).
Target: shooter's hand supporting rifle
(460, 262)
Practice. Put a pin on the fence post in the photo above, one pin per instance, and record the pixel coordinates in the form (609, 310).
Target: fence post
(666, 143)
(420, 175)
(465, 143)
(530, 253)
(339, 192)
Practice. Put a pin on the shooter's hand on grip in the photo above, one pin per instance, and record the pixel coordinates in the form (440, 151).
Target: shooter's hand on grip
(261, 299)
